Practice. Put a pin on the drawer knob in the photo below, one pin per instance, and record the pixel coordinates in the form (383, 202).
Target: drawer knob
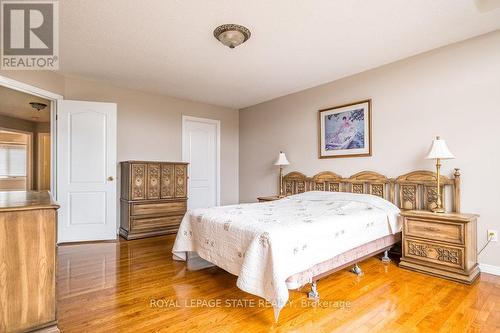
(110, 178)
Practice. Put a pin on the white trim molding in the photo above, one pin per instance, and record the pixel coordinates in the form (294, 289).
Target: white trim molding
(183, 143)
(26, 88)
(490, 269)
(53, 97)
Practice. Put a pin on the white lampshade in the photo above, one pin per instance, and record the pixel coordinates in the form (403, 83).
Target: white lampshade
(439, 149)
(282, 159)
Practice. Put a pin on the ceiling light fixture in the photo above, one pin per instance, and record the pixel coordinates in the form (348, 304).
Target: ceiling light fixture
(232, 35)
(38, 106)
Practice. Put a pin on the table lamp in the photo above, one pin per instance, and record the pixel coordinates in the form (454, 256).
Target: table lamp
(439, 151)
(281, 161)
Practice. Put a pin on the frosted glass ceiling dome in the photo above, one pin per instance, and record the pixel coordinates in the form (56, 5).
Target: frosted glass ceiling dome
(232, 35)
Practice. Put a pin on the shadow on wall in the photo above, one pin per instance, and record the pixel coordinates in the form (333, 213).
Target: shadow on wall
(487, 5)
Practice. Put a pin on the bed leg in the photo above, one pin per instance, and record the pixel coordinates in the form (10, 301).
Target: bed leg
(313, 294)
(385, 258)
(357, 270)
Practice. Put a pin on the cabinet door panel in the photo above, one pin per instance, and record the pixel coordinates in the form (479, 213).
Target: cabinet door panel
(138, 175)
(180, 180)
(153, 184)
(167, 181)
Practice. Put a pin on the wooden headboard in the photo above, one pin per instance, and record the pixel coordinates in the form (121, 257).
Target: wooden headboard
(414, 190)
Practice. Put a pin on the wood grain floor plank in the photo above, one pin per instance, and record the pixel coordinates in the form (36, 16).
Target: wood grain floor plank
(118, 287)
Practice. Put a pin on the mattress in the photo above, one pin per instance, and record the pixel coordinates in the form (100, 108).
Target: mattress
(266, 243)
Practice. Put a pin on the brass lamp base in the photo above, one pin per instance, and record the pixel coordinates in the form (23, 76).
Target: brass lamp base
(439, 205)
(438, 210)
(280, 195)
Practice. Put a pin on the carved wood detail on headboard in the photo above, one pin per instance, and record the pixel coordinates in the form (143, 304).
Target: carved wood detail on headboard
(418, 190)
(414, 190)
(294, 182)
(372, 183)
(326, 181)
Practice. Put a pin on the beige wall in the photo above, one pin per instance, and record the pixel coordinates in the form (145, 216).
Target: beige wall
(453, 92)
(7, 122)
(149, 125)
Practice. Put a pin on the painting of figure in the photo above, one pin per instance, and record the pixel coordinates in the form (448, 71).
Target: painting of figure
(345, 130)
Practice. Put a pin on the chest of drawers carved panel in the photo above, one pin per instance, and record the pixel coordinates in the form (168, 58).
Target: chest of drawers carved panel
(153, 198)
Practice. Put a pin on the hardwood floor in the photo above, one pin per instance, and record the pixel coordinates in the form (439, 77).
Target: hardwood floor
(135, 286)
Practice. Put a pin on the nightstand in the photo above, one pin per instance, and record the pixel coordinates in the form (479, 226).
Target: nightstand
(270, 198)
(442, 245)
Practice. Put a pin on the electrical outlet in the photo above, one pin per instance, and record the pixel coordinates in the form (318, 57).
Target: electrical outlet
(493, 235)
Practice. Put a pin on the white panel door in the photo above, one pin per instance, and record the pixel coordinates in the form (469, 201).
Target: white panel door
(200, 147)
(86, 171)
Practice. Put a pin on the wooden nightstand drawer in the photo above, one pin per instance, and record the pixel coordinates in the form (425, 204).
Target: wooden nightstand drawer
(438, 231)
(450, 256)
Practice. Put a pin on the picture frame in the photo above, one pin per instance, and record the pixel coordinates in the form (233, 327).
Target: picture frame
(345, 130)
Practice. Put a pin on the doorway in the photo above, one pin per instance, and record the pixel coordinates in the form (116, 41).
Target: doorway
(24, 119)
(79, 163)
(201, 149)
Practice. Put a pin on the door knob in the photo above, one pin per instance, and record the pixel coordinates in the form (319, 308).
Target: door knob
(110, 178)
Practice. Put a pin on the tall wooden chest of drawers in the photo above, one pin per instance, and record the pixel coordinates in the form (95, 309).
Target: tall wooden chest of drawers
(153, 198)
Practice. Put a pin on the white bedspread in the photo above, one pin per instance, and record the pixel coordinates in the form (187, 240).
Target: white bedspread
(265, 243)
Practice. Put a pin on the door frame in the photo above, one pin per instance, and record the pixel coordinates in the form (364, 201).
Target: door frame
(52, 97)
(186, 119)
(39, 151)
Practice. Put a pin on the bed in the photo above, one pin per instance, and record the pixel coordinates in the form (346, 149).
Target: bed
(325, 223)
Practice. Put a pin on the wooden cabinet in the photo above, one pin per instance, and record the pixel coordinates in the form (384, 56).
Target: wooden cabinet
(443, 245)
(27, 262)
(153, 198)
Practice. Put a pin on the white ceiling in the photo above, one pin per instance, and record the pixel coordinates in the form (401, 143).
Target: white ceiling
(167, 46)
(15, 104)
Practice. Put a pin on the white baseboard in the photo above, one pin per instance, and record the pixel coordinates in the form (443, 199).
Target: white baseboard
(490, 269)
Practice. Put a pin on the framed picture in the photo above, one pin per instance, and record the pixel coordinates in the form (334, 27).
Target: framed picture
(345, 130)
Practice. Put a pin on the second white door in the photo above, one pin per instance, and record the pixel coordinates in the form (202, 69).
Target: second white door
(200, 147)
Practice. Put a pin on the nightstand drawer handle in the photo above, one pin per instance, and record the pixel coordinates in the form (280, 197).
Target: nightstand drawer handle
(431, 229)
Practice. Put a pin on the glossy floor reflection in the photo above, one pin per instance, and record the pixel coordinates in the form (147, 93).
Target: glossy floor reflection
(135, 286)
